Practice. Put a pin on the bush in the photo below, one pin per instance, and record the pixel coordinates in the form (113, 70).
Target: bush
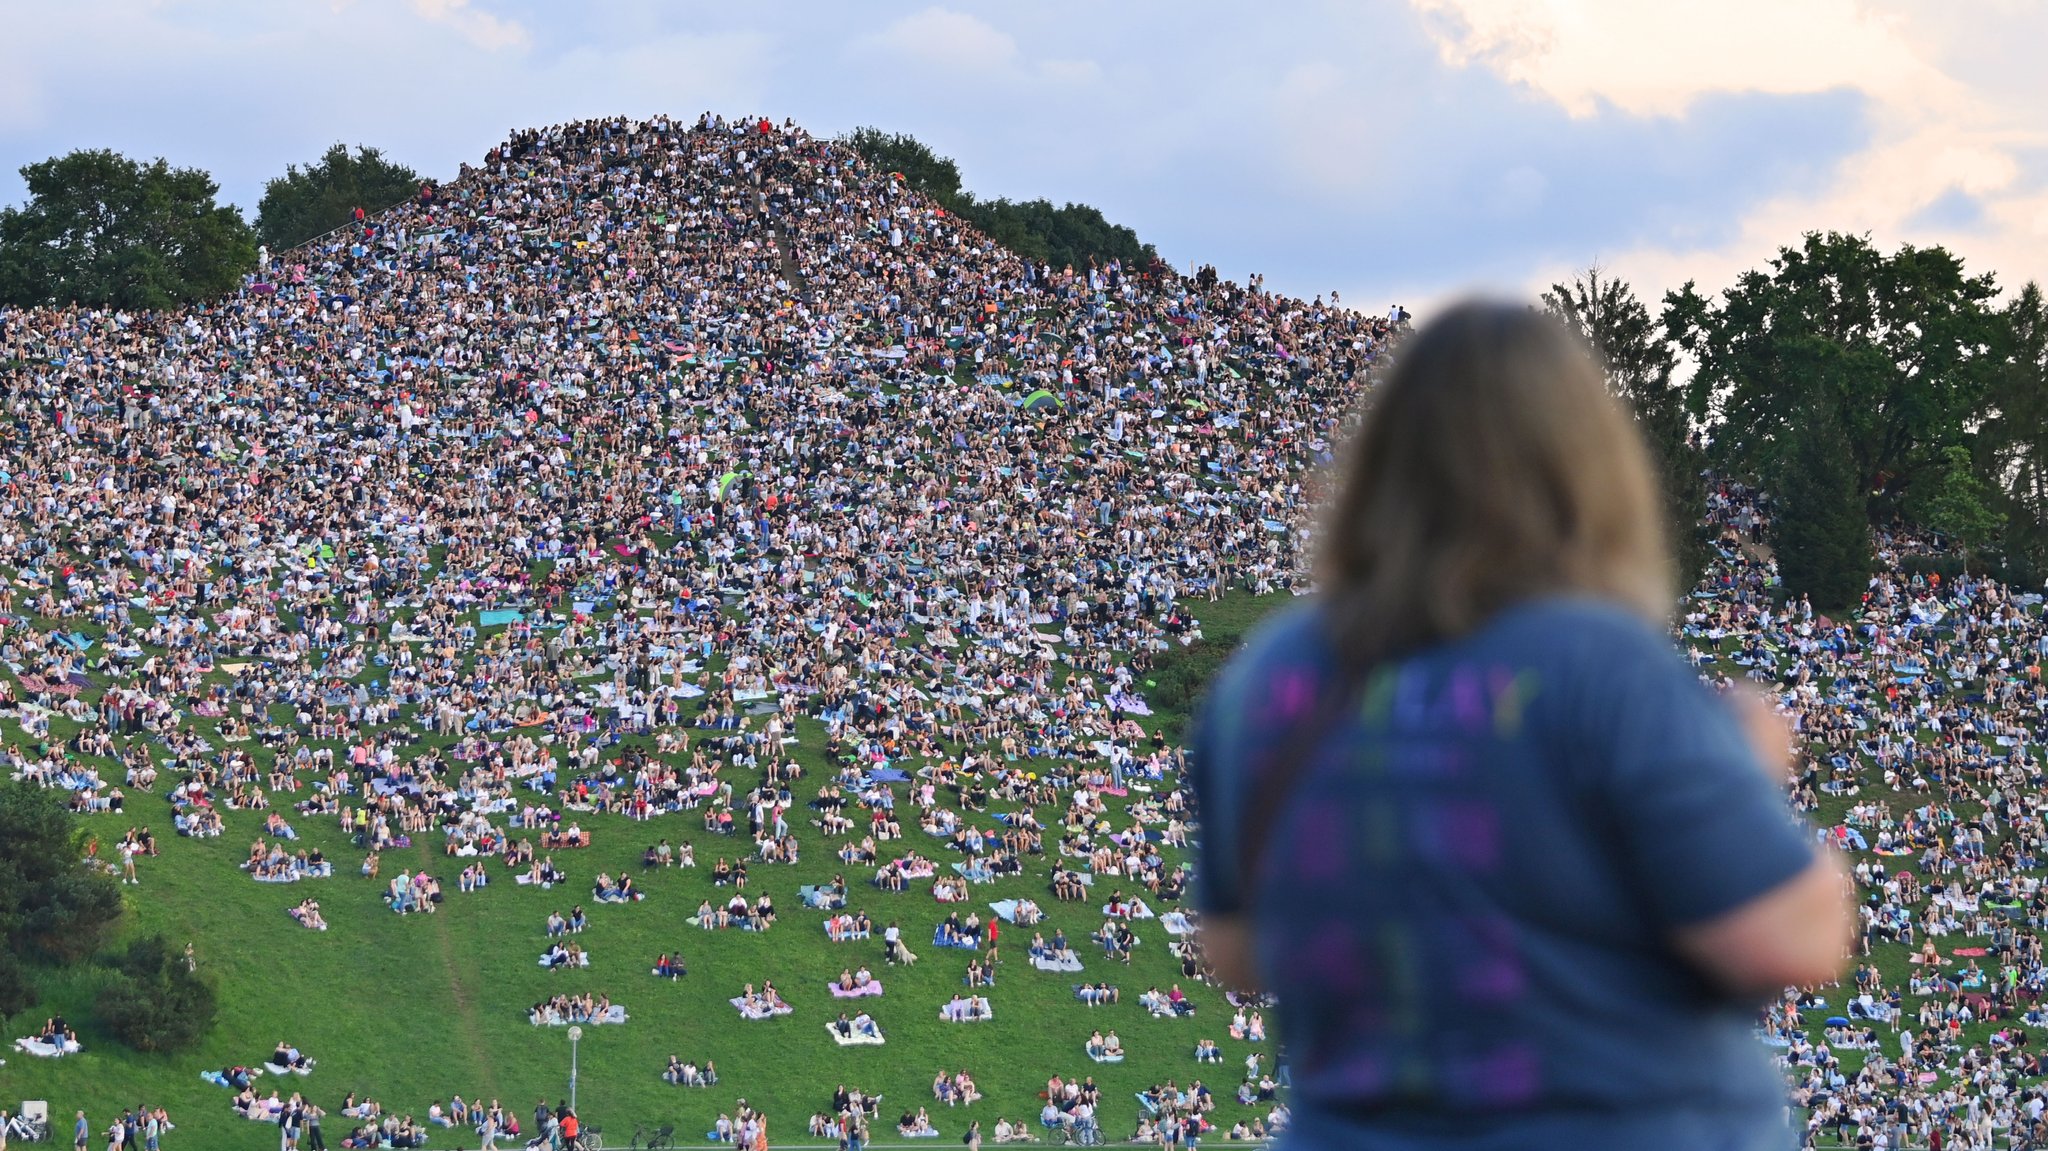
(1181, 674)
(154, 1002)
(17, 992)
(51, 901)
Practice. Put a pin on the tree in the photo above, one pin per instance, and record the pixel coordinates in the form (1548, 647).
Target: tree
(1822, 526)
(922, 169)
(1035, 229)
(154, 1001)
(51, 901)
(2012, 441)
(104, 231)
(17, 990)
(1897, 349)
(314, 200)
(1638, 360)
(1958, 505)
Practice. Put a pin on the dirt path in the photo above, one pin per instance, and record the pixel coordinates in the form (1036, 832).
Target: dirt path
(466, 1018)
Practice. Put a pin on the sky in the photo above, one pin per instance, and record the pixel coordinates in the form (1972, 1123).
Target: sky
(1391, 150)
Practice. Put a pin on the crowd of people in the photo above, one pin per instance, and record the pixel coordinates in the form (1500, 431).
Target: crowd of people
(575, 484)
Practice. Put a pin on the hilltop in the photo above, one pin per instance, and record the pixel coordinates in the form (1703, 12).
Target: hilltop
(647, 466)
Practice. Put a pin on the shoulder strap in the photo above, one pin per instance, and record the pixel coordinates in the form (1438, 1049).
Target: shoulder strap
(1272, 788)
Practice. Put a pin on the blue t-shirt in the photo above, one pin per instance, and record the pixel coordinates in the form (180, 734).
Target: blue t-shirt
(1465, 903)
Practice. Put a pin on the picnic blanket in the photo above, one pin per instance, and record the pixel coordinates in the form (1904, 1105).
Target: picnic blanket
(740, 1002)
(498, 616)
(44, 1050)
(963, 942)
(857, 1039)
(1005, 909)
(612, 1014)
(280, 1069)
(871, 987)
(1053, 963)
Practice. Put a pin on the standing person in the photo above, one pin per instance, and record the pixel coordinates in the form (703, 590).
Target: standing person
(81, 1133)
(1516, 876)
(973, 1136)
(314, 1140)
(489, 1131)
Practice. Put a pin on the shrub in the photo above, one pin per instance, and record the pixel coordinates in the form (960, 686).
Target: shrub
(17, 992)
(153, 1002)
(51, 901)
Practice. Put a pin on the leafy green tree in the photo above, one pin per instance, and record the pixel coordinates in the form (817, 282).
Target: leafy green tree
(1061, 236)
(155, 1002)
(922, 169)
(316, 199)
(17, 990)
(51, 901)
(105, 231)
(1896, 347)
(1958, 504)
(1606, 313)
(1822, 526)
(2013, 437)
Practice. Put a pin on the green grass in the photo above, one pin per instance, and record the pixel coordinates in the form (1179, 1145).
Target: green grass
(409, 1010)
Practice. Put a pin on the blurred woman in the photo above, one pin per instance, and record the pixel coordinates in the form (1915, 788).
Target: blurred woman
(1517, 877)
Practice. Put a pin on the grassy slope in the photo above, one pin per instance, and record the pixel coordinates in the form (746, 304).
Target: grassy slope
(413, 1009)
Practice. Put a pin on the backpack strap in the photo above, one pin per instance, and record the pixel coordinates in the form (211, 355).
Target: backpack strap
(1273, 788)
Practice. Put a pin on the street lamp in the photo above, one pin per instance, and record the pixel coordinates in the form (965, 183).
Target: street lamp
(575, 1036)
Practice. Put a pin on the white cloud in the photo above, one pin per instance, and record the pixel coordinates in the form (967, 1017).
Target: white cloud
(485, 30)
(1943, 110)
(943, 38)
(1658, 57)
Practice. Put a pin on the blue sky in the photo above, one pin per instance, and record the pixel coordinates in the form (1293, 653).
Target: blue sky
(1392, 149)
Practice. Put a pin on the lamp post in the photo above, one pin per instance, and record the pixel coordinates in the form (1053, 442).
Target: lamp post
(575, 1036)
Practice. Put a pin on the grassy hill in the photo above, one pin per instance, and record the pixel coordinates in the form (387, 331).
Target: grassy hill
(409, 1010)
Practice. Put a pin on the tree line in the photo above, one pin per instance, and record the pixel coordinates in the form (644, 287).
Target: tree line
(1859, 389)
(105, 231)
(1072, 235)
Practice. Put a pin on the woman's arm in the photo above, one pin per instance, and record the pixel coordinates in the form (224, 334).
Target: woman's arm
(1226, 942)
(1796, 933)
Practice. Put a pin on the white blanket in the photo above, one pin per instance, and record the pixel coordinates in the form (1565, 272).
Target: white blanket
(47, 1050)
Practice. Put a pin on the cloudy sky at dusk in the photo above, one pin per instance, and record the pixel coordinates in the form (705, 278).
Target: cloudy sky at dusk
(1393, 149)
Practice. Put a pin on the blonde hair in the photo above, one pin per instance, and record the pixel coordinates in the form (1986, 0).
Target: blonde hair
(1491, 467)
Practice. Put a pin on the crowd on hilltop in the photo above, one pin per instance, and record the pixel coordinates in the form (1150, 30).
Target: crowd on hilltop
(695, 366)
(683, 430)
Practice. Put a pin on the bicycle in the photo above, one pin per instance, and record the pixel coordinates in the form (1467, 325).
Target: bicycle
(659, 1139)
